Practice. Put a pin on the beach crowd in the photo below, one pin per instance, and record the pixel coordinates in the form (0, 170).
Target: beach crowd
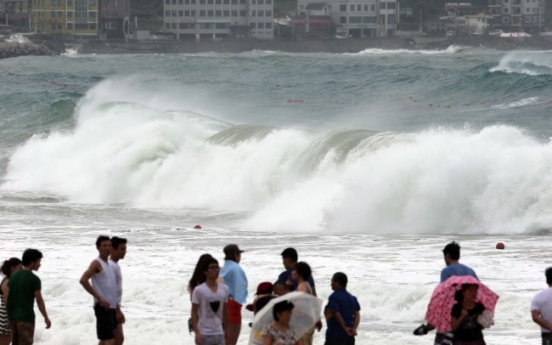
(460, 309)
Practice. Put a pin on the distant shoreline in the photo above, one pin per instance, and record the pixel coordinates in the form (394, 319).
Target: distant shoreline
(52, 46)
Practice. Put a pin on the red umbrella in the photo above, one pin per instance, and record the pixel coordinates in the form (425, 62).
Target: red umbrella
(443, 299)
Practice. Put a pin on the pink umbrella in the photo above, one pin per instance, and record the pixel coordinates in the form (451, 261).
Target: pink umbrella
(443, 299)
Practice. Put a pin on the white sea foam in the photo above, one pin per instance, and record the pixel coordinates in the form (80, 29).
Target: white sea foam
(525, 62)
(138, 152)
(18, 38)
(453, 49)
(518, 104)
(70, 52)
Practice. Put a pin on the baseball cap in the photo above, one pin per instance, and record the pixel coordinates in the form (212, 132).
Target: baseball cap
(232, 249)
(264, 288)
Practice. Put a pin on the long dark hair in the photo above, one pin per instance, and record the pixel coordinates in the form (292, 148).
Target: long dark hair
(198, 277)
(8, 265)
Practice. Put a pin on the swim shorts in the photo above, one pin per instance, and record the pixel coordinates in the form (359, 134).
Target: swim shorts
(106, 322)
(234, 312)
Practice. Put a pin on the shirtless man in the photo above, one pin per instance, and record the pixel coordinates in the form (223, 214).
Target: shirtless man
(104, 291)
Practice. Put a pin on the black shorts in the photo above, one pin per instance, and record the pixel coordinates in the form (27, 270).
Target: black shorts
(340, 341)
(106, 322)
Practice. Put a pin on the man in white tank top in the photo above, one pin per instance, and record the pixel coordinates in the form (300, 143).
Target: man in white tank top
(118, 252)
(104, 291)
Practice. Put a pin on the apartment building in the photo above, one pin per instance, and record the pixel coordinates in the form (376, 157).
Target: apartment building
(517, 15)
(71, 17)
(15, 13)
(114, 19)
(219, 19)
(360, 18)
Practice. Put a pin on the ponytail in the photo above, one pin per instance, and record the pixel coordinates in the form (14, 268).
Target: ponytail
(8, 265)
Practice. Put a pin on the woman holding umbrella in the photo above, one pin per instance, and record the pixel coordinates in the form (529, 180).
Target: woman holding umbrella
(466, 316)
(279, 332)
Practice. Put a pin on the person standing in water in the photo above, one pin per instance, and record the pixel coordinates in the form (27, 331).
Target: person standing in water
(464, 314)
(210, 307)
(8, 268)
(23, 288)
(451, 254)
(541, 309)
(104, 291)
(198, 278)
(342, 313)
(301, 274)
(234, 277)
(118, 252)
(289, 260)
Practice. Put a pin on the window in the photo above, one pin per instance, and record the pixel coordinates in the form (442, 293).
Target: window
(391, 19)
(253, 13)
(181, 13)
(173, 25)
(390, 5)
(365, 8)
(192, 13)
(342, 8)
(373, 9)
(268, 13)
(218, 13)
(92, 15)
(70, 3)
(234, 13)
(242, 2)
(234, 2)
(218, 2)
(253, 2)
(174, 13)
(202, 2)
(359, 8)
(202, 13)
(352, 8)
(527, 10)
(70, 26)
(209, 2)
(226, 13)
(167, 13)
(252, 25)
(355, 20)
(370, 20)
(187, 2)
(505, 20)
(382, 5)
(261, 2)
(180, 2)
(69, 14)
(221, 26)
(174, 2)
(268, 25)
(210, 13)
(260, 25)
(243, 13)
(260, 13)
(92, 3)
(505, 10)
(193, 2)
(268, 2)
(226, 2)
(92, 26)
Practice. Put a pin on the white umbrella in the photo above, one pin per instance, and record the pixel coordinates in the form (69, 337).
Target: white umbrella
(306, 313)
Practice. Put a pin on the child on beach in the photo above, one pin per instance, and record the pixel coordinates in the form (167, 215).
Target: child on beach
(464, 314)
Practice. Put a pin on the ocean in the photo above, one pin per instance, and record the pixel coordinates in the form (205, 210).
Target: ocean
(366, 163)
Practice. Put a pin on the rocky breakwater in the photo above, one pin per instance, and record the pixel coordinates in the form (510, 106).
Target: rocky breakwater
(14, 49)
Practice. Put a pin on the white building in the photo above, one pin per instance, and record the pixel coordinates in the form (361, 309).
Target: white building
(219, 19)
(517, 15)
(359, 18)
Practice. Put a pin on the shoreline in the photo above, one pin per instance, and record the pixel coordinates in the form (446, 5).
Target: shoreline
(38, 46)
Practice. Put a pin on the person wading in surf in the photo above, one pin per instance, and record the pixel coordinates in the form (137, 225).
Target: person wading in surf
(104, 291)
(451, 254)
(118, 252)
(210, 307)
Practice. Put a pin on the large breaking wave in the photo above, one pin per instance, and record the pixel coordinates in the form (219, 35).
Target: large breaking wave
(126, 150)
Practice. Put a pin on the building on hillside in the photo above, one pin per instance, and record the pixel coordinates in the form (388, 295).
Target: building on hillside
(517, 15)
(66, 17)
(16, 14)
(406, 12)
(358, 18)
(219, 19)
(114, 19)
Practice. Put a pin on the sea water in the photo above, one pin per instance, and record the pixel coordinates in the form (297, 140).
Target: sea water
(366, 163)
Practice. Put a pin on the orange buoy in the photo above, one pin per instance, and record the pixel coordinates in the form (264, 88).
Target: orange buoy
(197, 227)
(500, 245)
